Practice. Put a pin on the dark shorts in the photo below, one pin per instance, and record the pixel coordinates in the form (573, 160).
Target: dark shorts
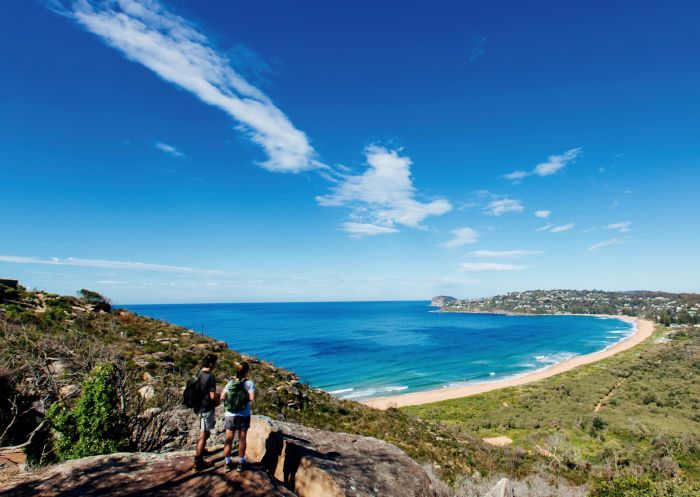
(237, 423)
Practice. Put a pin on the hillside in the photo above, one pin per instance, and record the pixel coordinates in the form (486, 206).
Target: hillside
(631, 418)
(52, 343)
(662, 307)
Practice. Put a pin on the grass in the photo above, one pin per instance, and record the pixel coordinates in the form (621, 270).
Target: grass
(648, 423)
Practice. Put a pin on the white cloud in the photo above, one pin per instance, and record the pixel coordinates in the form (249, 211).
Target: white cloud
(562, 228)
(554, 164)
(383, 195)
(505, 254)
(543, 214)
(167, 44)
(169, 149)
(546, 227)
(101, 264)
(489, 266)
(622, 227)
(606, 243)
(461, 236)
(498, 207)
(358, 230)
(516, 175)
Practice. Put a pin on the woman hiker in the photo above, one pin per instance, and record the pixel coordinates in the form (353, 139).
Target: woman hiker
(237, 396)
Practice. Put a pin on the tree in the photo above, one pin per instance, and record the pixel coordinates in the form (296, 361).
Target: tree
(96, 300)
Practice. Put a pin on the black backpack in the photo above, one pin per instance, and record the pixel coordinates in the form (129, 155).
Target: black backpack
(192, 396)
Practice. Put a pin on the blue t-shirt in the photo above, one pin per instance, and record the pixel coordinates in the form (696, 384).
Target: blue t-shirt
(249, 387)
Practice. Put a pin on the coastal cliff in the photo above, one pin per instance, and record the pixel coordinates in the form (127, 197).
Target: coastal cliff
(59, 352)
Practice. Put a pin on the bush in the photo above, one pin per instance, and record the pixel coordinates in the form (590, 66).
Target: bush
(96, 300)
(97, 423)
(629, 486)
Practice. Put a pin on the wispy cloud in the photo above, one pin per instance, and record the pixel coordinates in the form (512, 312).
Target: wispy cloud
(169, 149)
(173, 48)
(383, 195)
(562, 228)
(480, 267)
(622, 227)
(542, 214)
(102, 264)
(358, 230)
(461, 236)
(477, 48)
(554, 164)
(498, 207)
(505, 254)
(606, 243)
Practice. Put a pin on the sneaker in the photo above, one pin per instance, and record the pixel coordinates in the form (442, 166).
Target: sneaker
(240, 467)
(229, 466)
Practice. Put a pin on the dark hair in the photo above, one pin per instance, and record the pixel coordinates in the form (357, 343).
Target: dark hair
(242, 369)
(209, 360)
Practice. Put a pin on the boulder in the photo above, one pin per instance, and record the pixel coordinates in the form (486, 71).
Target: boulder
(315, 463)
(140, 474)
(147, 392)
(502, 489)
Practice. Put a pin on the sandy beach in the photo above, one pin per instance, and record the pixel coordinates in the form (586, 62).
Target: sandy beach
(644, 329)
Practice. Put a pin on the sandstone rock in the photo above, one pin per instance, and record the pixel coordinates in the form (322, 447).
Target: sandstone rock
(122, 475)
(147, 392)
(502, 489)
(315, 463)
(69, 391)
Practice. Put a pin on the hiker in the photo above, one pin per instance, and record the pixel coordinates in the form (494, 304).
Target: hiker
(237, 397)
(207, 418)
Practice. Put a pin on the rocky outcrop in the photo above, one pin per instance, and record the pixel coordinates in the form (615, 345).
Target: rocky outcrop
(502, 489)
(315, 463)
(143, 475)
(442, 300)
(289, 459)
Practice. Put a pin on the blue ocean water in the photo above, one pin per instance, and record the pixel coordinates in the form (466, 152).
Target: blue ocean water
(360, 350)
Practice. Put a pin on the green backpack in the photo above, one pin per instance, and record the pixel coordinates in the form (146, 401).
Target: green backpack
(237, 396)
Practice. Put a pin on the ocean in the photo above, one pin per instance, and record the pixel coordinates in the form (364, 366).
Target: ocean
(362, 350)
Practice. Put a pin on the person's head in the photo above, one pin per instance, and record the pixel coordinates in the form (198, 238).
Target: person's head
(209, 361)
(242, 370)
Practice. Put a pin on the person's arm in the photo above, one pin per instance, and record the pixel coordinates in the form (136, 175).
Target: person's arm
(212, 391)
(224, 392)
(251, 392)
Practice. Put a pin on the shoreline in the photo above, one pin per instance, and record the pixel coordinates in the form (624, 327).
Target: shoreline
(643, 329)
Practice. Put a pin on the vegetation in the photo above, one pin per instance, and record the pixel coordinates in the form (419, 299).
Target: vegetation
(108, 380)
(625, 420)
(662, 307)
(97, 423)
(112, 380)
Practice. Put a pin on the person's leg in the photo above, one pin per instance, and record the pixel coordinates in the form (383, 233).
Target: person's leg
(228, 444)
(242, 445)
(202, 443)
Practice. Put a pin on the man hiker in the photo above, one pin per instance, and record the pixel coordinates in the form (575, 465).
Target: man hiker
(237, 396)
(207, 418)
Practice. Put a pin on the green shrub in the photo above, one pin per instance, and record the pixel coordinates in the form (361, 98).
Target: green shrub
(630, 486)
(96, 424)
(96, 300)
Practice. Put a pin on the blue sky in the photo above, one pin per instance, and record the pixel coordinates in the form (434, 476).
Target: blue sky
(218, 150)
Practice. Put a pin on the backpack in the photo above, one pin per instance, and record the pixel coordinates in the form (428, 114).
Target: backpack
(192, 396)
(237, 396)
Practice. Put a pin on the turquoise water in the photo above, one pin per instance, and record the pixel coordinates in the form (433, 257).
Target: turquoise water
(360, 350)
